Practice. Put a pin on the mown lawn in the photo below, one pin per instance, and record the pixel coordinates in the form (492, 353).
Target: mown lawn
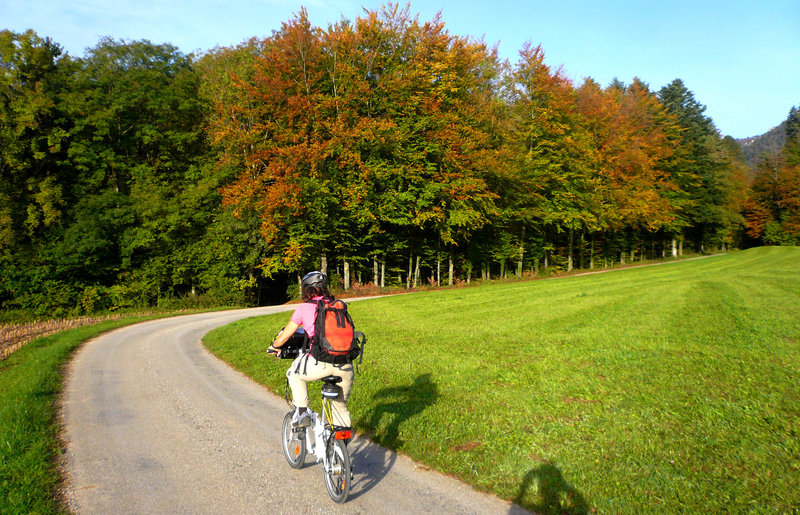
(659, 389)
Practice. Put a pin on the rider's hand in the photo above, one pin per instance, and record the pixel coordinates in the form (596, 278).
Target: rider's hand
(275, 352)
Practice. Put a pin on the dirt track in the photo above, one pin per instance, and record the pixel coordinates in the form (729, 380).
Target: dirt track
(155, 424)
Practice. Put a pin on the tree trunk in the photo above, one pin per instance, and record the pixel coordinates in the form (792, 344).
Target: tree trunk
(591, 254)
(622, 257)
(546, 266)
(375, 271)
(674, 247)
(450, 270)
(408, 277)
(502, 269)
(416, 273)
(383, 274)
(680, 246)
(570, 249)
(438, 270)
(346, 275)
(521, 253)
(323, 266)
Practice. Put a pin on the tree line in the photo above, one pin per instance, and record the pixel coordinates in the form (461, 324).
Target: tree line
(384, 149)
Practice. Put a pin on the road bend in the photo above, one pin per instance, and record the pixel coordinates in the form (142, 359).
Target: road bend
(154, 423)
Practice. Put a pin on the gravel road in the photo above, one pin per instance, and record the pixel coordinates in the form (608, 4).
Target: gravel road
(153, 423)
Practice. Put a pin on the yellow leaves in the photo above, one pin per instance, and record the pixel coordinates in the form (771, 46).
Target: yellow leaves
(293, 254)
(45, 211)
(6, 228)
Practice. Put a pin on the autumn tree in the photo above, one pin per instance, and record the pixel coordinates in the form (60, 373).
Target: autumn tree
(366, 130)
(773, 206)
(633, 142)
(555, 161)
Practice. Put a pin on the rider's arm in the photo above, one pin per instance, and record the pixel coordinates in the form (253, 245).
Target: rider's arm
(287, 333)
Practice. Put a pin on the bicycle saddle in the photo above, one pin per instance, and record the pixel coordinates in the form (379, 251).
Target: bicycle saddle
(331, 379)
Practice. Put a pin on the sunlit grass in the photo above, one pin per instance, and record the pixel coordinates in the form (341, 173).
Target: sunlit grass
(667, 388)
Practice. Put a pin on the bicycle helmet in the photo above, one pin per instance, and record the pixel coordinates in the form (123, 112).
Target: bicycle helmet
(315, 279)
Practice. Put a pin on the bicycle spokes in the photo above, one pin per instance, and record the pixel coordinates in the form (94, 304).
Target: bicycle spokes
(337, 473)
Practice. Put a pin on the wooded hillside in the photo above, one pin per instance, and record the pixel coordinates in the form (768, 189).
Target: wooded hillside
(769, 143)
(385, 149)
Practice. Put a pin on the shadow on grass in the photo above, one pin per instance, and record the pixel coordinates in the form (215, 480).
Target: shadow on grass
(400, 404)
(544, 490)
(371, 462)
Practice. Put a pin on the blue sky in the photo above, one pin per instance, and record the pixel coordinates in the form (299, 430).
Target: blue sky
(741, 59)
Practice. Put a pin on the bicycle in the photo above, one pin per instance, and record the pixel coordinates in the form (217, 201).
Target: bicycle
(323, 439)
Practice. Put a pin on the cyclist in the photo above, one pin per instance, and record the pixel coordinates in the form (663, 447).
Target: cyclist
(304, 368)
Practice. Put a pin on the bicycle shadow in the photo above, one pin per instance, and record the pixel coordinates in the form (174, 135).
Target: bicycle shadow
(373, 462)
(551, 493)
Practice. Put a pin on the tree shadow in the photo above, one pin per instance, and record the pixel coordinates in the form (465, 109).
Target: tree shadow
(400, 404)
(544, 490)
(373, 462)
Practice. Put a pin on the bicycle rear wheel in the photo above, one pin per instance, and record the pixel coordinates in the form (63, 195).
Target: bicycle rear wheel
(337, 475)
(294, 442)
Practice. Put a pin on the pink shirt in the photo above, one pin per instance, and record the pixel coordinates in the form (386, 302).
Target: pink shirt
(306, 314)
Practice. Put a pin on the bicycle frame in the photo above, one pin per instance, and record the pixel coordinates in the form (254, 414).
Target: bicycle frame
(322, 429)
(325, 440)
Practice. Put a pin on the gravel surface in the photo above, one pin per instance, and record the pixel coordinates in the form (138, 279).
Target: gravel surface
(153, 423)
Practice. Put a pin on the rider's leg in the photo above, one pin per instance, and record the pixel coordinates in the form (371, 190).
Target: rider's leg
(297, 383)
(341, 416)
(315, 370)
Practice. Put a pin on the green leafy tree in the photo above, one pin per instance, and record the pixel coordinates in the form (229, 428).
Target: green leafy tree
(34, 180)
(705, 173)
(555, 160)
(136, 143)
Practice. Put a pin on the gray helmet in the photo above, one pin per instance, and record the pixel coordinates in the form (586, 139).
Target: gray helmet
(316, 279)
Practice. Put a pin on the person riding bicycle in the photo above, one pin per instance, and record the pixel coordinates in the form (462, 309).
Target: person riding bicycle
(304, 368)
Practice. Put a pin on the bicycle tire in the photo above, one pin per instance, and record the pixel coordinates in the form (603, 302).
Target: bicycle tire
(337, 474)
(293, 443)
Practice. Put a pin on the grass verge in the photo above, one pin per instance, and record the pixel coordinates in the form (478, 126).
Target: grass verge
(31, 381)
(661, 389)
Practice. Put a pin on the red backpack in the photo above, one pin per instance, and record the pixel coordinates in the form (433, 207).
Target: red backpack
(335, 338)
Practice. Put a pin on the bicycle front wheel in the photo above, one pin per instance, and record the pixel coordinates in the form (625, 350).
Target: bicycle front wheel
(294, 442)
(337, 474)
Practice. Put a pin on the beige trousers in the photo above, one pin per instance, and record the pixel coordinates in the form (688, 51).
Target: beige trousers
(312, 370)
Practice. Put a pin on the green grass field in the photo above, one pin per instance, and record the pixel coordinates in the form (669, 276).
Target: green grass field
(672, 388)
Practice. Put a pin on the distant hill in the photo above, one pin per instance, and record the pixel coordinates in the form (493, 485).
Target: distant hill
(770, 142)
